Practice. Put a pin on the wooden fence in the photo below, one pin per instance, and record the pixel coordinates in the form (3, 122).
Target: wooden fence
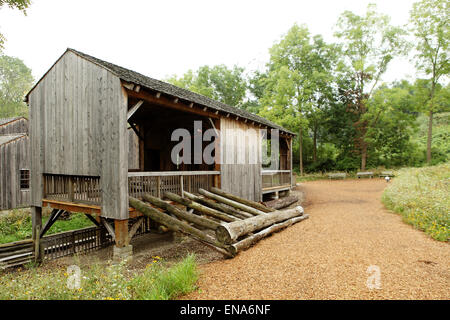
(62, 244)
(275, 178)
(82, 189)
(157, 183)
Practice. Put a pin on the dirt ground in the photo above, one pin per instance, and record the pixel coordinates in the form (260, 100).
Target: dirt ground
(324, 257)
(328, 255)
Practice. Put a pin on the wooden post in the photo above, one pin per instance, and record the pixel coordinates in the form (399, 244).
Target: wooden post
(71, 188)
(181, 186)
(36, 220)
(217, 162)
(158, 186)
(121, 233)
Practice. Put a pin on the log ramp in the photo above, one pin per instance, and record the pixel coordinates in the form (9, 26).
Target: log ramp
(220, 220)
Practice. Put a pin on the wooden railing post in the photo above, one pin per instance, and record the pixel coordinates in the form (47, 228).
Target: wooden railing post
(71, 188)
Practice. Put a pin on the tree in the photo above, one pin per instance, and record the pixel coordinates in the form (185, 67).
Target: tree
(15, 81)
(430, 25)
(369, 43)
(298, 82)
(22, 5)
(220, 83)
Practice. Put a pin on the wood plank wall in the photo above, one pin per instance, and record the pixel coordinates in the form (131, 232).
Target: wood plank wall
(241, 159)
(19, 125)
(14, 156)
(133, 150)
(78, 114)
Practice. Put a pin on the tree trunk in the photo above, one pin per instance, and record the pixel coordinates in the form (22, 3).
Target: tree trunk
(282, 202)
(201, 208)
(315, 144)
(247, 242)
(181, 214)
(231, 203)
(218, 206)
(301, 149)
(228, 233)
(429, 136)
(173, 223)
(249, 203)
(363, 156)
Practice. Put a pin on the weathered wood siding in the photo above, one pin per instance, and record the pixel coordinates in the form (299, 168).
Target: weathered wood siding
(133, 150)
(241, 159)
(19, 125)
(79, 127)
(14, 156)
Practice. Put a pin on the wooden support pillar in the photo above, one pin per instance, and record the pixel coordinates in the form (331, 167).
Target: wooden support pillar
(121, 233)
(122, 251)
(36, 220)
(217, 146)
(142, 149)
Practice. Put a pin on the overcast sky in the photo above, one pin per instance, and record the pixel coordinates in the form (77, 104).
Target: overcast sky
(161, 38)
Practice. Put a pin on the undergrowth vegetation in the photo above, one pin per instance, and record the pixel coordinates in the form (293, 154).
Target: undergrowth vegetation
(16, 224)
(421, 196)
(157, 281)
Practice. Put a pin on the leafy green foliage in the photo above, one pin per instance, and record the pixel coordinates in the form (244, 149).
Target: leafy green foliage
(16, 225)
(219, 83)
(369, 43)
(22, 5)
(430, 25)
(421, 197)
(15, 81)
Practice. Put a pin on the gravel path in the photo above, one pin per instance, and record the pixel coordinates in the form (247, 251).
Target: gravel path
(327, 256)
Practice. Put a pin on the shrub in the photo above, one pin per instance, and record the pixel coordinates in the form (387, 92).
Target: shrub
(420, 195)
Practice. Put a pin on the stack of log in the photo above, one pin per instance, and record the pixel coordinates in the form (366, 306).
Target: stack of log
(221, 220)
(16, 253)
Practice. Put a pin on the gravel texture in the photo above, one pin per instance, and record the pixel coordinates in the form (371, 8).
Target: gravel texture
(327, 256)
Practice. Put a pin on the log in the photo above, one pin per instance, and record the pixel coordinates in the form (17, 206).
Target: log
(195, 219)
(232, 203)
(246, 202)
(229, 232)
(201, 208)
(250, 240)
(218, 206)
(174, 224)
(282, 202)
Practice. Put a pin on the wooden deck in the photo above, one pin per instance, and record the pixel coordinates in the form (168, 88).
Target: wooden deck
(94, 210)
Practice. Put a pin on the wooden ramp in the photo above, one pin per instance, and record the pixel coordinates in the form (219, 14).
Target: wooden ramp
(221, 220)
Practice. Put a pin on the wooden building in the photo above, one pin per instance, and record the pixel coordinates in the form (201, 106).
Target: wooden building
(14, 163)
(100, 133)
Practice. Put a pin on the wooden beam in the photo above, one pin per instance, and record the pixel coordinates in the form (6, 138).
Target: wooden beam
(135, 227)
(169, 103)
(109, 228)
(51, 220)
(134, 108)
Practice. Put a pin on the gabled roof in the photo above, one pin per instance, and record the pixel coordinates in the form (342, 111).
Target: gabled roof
(169, 89)
(9, 120)
(4, 139)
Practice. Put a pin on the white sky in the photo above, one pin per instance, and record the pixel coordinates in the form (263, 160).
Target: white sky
(161, 38)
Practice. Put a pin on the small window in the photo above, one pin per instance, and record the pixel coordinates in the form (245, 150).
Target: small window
(24, 179)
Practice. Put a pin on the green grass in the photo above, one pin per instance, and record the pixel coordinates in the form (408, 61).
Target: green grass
(421, 196)
(16, 225)
(157, 282)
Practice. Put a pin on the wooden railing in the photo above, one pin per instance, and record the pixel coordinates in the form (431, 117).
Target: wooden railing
(82, 189)
(275, 178)
(156, 183)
